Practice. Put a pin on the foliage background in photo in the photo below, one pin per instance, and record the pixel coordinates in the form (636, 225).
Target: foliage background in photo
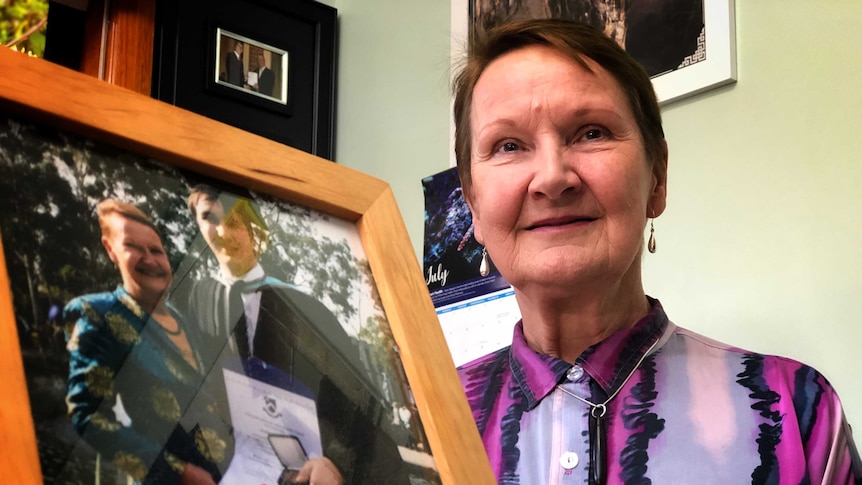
(21, 17)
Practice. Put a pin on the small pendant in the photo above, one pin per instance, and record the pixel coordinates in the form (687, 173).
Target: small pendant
(597, 447)
(651, 243)
(483, 265)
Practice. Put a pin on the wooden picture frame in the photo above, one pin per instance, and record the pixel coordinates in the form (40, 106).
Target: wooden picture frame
(43, 93)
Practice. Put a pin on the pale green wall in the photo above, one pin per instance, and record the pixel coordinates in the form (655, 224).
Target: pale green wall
(393, 95)
(761, 245)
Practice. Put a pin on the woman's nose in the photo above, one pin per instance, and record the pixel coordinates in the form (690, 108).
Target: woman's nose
(554, 174)
(147, 257)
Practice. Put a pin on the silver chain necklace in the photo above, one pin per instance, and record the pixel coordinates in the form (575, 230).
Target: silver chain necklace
(597, 412)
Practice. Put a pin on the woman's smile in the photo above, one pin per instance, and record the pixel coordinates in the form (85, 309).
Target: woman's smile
(560, 224)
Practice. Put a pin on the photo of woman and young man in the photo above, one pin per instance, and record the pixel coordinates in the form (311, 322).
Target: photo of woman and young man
(175, 329)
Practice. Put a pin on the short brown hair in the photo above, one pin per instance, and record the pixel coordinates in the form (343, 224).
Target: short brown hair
(575, 40)
(123, 209)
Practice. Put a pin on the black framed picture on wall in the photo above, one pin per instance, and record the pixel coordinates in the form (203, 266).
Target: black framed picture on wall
(265, 66)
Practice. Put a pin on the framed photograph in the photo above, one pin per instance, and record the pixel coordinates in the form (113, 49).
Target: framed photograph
(180, 296)
(687, 46)
(252, 67)
(265, 66)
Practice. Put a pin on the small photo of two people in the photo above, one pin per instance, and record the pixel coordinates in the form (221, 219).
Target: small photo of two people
(175, 330)
(251, 66)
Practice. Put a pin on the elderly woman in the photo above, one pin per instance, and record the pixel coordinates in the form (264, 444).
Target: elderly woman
(133, 366)
(563, 161)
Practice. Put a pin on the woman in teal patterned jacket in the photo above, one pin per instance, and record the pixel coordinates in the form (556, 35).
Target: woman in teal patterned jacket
(133, 364)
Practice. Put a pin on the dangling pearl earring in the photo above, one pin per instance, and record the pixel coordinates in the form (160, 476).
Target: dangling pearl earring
(484, 267)
(651, 243)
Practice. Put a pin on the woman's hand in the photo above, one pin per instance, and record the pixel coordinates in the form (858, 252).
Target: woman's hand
(195, 475)
(316, 471)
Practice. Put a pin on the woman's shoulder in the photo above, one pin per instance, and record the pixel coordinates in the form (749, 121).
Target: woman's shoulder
(101, 298)
(759, 372)
(91, 306)
(696, 342)
(791, 408)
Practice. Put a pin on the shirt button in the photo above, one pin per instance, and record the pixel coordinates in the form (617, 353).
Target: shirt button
(575, 373)
(569, 460)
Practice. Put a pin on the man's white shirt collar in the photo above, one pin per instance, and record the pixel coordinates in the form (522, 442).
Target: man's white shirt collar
(254, 274)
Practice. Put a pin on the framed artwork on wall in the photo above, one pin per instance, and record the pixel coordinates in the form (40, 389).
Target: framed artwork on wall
(264, 66)
(133, 241)
(687, 46)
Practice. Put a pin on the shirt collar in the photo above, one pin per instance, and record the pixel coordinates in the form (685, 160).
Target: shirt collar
(254, 274)
(608, 362)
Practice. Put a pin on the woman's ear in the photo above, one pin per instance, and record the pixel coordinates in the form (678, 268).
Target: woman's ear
(658, 196)
(477, 231)
(109, 249)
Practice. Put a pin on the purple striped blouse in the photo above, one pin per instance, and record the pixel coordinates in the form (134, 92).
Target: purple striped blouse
(696, 411)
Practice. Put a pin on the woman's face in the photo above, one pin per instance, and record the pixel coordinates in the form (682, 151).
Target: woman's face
(562, 186)
(138, 253)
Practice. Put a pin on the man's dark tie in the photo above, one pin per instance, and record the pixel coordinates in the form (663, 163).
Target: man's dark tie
(236, 313)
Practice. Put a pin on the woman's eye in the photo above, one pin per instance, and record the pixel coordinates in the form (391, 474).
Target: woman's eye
(593, 134)
(509, 146)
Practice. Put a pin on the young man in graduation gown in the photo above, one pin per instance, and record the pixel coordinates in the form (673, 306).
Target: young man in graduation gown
(254, 318)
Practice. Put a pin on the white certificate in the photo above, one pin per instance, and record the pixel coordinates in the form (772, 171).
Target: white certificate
(252, 78)
(258, 410)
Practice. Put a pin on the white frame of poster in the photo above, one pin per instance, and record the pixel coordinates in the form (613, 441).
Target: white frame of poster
(718, 69)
